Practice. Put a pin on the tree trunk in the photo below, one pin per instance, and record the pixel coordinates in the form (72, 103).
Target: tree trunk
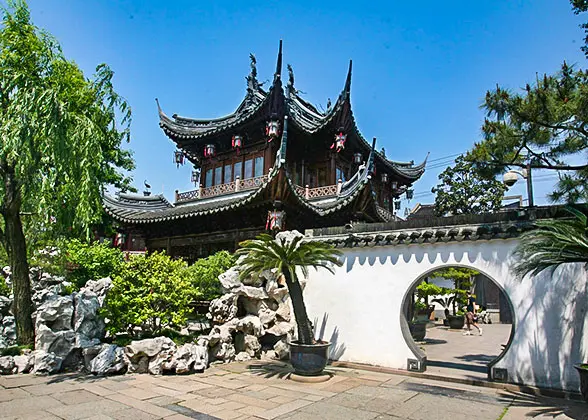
(16, 249)
(305, 335)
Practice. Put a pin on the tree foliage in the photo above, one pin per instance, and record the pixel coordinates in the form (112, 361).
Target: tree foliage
(544, 125)
(580, 6)
(466, 190)
(61, 137)
(151, 292)
(204, 274)
(554, 242)
(83, 262)
(265, 253)
(462, 281)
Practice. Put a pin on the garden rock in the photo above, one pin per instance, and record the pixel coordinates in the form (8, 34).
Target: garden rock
(157, 363)
(189, 357)
(110, 360)
(5, 305)
(9, 329)
(99, 288)
(46, 363)
(56, 313)
(223, 309)
(24, 363)
(252, 346)
(61, 343)
(3, 343)
(282, 350)
(281, 328)
(250, 324)
(149, 347)
(252, 292)
(230, 280)
(242, 357)
(224, 352)
(89, 353)
(86, 322)
(7, 366)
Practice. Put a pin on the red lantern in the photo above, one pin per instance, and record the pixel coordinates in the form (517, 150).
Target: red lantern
(272, 130)
(339, 143)
(237, 142)
(209, 150)
(275, 220)
(179, 158)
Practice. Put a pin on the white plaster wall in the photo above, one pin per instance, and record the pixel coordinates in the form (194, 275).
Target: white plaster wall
(359, 307)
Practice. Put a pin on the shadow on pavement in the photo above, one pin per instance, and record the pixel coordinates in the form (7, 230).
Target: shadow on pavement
(545, 407)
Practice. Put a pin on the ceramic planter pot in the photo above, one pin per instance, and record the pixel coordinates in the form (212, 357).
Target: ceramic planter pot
(456, 322)
(583, 372)
(309, 359)
(418, 330)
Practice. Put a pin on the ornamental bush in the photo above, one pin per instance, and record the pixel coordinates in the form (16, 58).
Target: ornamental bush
(204, 274)
(93, 261)
(152, 292)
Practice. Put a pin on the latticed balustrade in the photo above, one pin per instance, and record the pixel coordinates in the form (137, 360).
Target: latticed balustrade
(220, 189)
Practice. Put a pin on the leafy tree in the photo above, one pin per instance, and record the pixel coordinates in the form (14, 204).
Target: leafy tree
(151, 292)
(265, 253)
(554, 242)
(580, 6)
(466, 190)
(61, 136)
(541, 127)
(204, 274)
(462, 279)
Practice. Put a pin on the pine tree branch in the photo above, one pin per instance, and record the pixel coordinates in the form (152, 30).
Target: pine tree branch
(539, 166)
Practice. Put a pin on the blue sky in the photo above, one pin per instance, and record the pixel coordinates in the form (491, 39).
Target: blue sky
(420, 69)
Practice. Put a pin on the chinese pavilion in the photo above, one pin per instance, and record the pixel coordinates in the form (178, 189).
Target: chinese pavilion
(277, 162)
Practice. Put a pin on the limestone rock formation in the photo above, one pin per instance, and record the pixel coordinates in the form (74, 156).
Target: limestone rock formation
(252, 318)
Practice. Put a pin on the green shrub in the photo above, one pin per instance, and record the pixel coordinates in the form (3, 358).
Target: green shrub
(4, 289)
(94, 261)
(152, 292)
(204, 274)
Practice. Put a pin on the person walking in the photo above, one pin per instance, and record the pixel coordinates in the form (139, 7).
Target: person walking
(470, 316)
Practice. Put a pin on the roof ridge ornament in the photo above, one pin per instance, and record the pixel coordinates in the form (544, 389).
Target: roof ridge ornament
(291, 87)
(278, 73)
(348, 80)
(252, 82)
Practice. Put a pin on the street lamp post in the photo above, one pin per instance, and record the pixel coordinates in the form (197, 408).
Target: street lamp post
(511, 177)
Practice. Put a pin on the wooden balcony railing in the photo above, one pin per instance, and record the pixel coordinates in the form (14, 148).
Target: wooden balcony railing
(221, 189)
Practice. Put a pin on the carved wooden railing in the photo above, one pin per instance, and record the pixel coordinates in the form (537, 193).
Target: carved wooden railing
(187, 195)
(318, 192)
(220, 189)
(217, 190)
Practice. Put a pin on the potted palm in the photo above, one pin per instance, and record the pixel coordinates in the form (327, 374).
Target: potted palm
(555, 242)
(289, 254)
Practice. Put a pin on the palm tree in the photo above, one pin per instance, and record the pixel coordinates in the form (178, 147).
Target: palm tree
(554, 242)
(286, 255)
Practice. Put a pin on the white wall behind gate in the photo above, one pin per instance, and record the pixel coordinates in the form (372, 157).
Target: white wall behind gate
(360, 307)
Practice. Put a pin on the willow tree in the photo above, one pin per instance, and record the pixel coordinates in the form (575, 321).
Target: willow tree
(61, 136)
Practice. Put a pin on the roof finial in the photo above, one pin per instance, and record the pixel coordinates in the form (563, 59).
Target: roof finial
(291, 87)
(278, 73)
(348, 81)
(159, 107)
(252, 82)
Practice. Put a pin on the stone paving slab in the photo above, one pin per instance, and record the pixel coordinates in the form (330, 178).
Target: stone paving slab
(254, 391)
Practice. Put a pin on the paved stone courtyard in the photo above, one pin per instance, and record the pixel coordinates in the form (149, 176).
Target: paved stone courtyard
(262, 391)
(451, 353)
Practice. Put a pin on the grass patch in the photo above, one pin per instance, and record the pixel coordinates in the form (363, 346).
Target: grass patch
(14, 350)
(503, 413)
